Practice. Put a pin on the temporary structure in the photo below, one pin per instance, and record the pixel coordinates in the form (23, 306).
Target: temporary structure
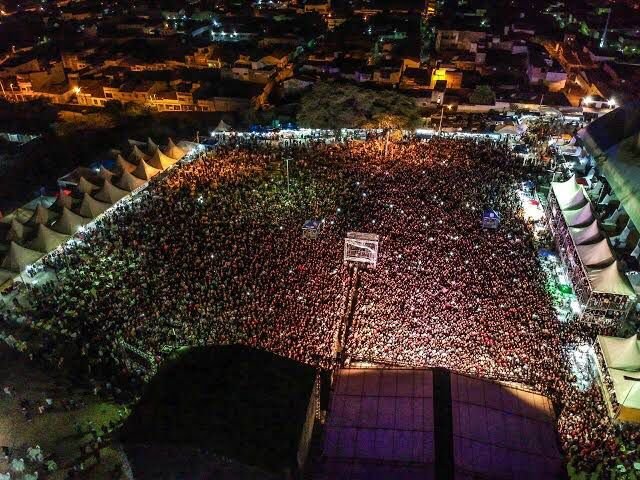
(174, 151)
(124, 165)
(588, 234)
(129, 182)
(17, 231)
(109, 193)
(564, 191)
(47, 239)
(597, 254)
(621, 353)
(18, 258)
(41, 215)
(136, 155)
(63, 201)
(578, 200)
(69, 223)
(105, 173)
(580, 217)
(151, 146)
(91, 208)
(622, 367)
(145, 171)
(5, 277)
(161, 161)
(222, 127)
(85, 186)
(609, 280)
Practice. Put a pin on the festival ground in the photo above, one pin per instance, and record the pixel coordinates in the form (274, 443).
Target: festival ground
(54, 430)
(214, 253)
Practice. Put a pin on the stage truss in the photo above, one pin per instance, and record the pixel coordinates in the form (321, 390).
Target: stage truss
(361, 249)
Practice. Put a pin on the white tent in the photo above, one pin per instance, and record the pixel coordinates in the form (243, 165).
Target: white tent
(85, 186)
(222, 127)
(174, 151)
(129, 182)
(621, 353)
(5, 277)
(18, 258)
(565, 190)
(145, 171)
(580, 217)
(47, 239)
(151, 146)
(596, 254)
(622, 359)
(63, 201)
(105, 173)
(576, 201)
(41, 215)
(508, 130)
(136, 155)
(109, 193)
(588, 234)
(17, 231)
(160, 161)
(69, 223)
(609, 280)
(124, 165)
(91, 208)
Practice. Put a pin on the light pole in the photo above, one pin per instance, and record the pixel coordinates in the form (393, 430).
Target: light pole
(286, 160)
(441, 115)
(386, 142)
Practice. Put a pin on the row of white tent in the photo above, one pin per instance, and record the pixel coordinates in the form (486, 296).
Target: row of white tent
(622, 363)
(33, 233)
(591, 243)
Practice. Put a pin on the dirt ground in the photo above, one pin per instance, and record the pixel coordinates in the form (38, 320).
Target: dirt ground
(55, 431)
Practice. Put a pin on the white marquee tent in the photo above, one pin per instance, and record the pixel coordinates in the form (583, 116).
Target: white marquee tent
(622, 364)
(69, 222)
(109, 193)
(609, 280)
(160, 161)
(596, 254)
(47, 239)
(174, 151)
(85, 186)
(124, 165)
(129, 182)
(588, 234)
(565, 191)
(91, 208)
(144, 171)
(18, 258)
(579, 217)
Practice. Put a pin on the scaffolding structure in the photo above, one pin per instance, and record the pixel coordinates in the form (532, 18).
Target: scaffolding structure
(361, 249)
(604, 293)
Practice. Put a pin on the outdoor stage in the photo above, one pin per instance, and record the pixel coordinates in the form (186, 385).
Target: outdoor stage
(434, 424)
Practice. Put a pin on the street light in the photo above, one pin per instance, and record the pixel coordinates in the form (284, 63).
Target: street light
(441, 115)
(612, 103)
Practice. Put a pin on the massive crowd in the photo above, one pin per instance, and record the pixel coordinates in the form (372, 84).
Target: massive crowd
(214, 253)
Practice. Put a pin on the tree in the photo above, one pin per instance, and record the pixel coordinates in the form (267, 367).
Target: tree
(482, 95)
(335, 105)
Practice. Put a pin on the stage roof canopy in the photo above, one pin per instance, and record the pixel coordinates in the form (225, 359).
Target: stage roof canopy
(408, 423)
(610, 280)
(240, 403)
(614, 141)
(622, 359)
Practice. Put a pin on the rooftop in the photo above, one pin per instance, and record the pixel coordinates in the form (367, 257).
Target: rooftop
(238, 402)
